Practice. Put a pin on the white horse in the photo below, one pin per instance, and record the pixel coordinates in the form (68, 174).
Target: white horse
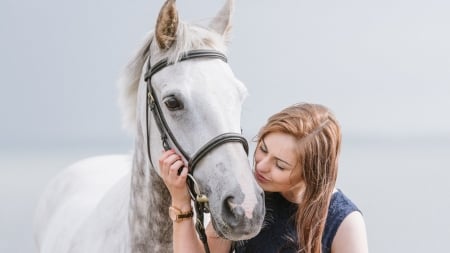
(119, 203)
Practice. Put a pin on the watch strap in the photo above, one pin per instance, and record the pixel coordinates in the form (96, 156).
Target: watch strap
(180, 215)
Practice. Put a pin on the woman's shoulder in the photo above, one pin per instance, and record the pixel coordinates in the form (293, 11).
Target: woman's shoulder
(351, 235)
(340, 207)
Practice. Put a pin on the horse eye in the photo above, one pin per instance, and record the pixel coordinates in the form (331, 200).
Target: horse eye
(172, 103)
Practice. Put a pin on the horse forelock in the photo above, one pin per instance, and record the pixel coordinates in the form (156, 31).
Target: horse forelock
(189, 37)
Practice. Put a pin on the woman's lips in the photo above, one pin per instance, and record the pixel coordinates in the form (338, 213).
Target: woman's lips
(260, 178)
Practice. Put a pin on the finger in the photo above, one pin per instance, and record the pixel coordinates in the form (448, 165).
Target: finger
(169, 160)
(181, 179)
(166, 154)
(183, 171)
(176, 166)
(164, 157)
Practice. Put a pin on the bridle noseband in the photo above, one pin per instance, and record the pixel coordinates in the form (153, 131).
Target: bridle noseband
(200, 200)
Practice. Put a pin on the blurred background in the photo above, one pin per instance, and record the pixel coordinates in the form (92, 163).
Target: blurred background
(382, 66)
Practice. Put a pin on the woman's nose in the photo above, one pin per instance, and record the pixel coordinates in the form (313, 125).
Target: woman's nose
(263, 164)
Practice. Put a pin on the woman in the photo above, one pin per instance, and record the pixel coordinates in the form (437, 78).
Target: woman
(296, 163)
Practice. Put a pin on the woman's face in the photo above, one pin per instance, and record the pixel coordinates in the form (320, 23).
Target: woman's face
(277, 167)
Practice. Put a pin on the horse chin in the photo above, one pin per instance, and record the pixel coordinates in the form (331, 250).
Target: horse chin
(238, 234)
(237, 213)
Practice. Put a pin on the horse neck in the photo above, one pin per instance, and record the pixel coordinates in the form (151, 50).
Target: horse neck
(150, 225)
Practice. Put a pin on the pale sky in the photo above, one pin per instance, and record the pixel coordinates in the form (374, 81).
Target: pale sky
(382, 66)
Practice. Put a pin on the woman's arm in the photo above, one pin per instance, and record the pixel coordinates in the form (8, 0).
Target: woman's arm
(185, 238)
(216, 243)
(351, 236)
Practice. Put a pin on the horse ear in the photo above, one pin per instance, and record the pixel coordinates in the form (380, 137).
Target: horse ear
(222, 22)
(167, 24)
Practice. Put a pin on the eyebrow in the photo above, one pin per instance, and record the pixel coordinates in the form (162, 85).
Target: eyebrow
(279, 159)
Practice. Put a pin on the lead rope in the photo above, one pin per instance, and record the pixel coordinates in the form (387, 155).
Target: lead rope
(201, 207)
(200, 227)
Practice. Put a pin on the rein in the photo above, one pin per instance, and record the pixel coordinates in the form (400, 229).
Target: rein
(200, 199)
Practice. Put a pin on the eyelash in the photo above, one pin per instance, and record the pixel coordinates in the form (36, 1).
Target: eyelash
(279, 167)
(264, 150)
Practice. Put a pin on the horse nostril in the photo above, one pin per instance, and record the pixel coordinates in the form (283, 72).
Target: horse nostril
(235, 208)
(233, 211)
(230, 202)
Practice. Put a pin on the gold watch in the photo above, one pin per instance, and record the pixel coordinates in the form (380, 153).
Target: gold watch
(177, 215)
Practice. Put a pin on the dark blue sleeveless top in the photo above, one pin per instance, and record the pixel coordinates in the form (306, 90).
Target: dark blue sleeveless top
(279, 234)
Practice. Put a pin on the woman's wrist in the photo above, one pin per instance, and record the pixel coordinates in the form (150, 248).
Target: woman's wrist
(180, 199)
(184, 206)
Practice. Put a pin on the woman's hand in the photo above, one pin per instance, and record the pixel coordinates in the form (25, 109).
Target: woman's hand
(170, 163)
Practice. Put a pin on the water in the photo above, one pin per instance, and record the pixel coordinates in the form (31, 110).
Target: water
(403, 189)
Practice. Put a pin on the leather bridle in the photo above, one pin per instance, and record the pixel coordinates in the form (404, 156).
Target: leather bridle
(200, 200)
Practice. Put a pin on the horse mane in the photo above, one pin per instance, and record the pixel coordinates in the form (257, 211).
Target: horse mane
(189, 37)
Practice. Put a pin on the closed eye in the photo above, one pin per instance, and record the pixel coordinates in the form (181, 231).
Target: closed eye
(263, 148)
(279, 166)
(172, 103)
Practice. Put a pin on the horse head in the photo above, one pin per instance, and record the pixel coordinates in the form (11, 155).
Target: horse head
(199, 99)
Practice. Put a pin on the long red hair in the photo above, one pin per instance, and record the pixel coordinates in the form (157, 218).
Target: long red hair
(319, 139)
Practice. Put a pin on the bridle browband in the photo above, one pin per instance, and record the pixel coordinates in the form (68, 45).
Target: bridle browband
(200, 200)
